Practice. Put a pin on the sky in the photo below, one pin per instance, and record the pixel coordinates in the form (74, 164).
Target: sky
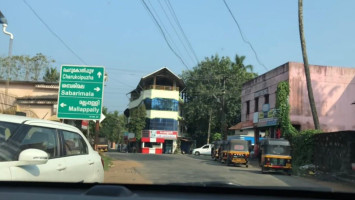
(122, 36)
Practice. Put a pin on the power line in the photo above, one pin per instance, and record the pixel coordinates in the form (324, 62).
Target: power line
(56, 35)
(241, 34)
(165, 29)
(163, 34)
(180, 27)
(178, 35)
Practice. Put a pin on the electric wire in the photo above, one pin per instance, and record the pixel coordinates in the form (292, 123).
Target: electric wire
(53, 33)
(241, 34)
(163, 34)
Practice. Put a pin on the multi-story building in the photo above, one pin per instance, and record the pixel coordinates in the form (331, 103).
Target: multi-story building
(160, 93)
(333, 89)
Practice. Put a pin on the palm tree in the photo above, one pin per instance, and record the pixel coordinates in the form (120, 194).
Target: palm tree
(239, 62)
(306, 67)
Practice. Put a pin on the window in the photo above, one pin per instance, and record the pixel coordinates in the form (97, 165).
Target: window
(266, 97)
(161, 124)
(256, 107)
(161, 104)
(6, 130)
(248, 107)
(41, 138)
(205, 147)
(74, 144)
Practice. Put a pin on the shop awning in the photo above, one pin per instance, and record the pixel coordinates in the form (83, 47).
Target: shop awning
(158, 140)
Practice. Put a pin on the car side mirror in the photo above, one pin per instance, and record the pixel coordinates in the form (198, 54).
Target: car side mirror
(32, 157)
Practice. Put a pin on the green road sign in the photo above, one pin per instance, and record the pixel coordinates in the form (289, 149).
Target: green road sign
(80, 93)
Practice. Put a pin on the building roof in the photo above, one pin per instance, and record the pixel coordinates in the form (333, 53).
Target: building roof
(30, 82)
(161, 72)
(242, 125)
(43, 97)
(237, 126)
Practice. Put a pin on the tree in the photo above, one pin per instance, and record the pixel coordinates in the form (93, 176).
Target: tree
(24, 67)
(112, 127)
(51, 75)
(214, 86)
(306, 67)
(137, 122)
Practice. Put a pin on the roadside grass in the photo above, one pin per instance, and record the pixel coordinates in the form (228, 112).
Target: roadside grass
(107, 161)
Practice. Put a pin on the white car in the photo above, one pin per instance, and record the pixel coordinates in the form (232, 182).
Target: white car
(204, 150)
(41, 150)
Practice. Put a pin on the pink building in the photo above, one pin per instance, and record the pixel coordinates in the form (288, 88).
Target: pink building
(334, 93)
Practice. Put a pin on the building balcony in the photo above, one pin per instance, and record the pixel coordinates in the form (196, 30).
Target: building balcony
(161, 87)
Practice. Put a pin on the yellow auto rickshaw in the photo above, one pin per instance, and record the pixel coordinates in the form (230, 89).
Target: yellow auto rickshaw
(236, 152)
(275, 155)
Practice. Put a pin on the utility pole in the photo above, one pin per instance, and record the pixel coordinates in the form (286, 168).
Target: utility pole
(3, 21)
(209, 126)
(223, 117)
(306, 66)
(97, 129)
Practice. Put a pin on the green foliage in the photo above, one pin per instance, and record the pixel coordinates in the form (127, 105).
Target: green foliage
(112, 127)
(282, 94)
(51, 75)
(303, 147)
(216, 137)
(137, 122)
(205, 85)
(24, 67)
(302, 142)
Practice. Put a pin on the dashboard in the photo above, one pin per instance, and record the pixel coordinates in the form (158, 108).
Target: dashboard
(68, 191)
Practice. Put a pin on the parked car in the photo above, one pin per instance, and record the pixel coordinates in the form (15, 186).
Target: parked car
(204, 150)
(41, 150)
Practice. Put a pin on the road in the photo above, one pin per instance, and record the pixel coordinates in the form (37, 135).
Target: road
(202, 170)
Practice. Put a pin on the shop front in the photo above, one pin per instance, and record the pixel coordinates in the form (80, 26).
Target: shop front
(158, 141)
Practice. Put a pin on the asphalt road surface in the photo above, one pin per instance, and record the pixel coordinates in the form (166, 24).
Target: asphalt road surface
(202, 170)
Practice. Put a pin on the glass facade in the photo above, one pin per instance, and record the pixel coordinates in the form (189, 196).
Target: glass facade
(161, 124)
(161, 104)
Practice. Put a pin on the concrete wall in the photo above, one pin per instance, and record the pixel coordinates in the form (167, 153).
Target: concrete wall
(267, 81)
(23, 89)
(335, 152)
(334, 92)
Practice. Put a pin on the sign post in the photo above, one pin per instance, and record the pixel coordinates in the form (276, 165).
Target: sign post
(80, 93)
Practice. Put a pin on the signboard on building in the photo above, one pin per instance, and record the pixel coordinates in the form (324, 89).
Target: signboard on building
(170, 135)
(267, 122)
(272, 113)
(261, 92)
(80, 93)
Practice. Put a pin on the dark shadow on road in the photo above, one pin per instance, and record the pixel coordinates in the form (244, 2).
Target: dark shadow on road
(139, 156)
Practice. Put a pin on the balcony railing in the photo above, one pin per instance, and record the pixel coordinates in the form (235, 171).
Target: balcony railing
(161, 87)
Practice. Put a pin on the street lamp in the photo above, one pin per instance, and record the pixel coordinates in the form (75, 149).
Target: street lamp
(3, 21)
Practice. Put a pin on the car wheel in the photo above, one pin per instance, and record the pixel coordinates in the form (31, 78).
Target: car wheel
(197, 153)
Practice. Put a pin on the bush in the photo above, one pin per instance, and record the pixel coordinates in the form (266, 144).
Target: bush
(303, 148)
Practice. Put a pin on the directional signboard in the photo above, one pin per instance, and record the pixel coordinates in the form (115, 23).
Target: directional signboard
(80, 93)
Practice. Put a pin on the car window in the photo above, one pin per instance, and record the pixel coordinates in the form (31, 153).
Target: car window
(41, 138)
(6, 130)
(74, 144)
(205, 147)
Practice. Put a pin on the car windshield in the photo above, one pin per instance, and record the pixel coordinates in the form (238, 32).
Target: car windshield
(153, 91)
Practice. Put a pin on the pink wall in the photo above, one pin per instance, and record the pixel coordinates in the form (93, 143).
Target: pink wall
(268, 80)
(334, 91)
